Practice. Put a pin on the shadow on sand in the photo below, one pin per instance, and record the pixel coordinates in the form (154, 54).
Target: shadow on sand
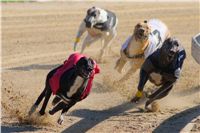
(16, 128)
(177, 122)
(34, 67)
(93, 117)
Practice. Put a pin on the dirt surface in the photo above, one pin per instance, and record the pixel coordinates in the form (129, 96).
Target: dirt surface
(37, 37)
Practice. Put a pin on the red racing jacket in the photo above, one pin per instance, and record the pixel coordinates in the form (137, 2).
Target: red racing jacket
(54, 81)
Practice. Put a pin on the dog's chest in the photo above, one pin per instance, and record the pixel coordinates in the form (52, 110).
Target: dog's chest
(74, 88)
(94, 32)
(155, 78)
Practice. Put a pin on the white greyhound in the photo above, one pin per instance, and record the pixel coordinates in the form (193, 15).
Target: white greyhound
(99, 24)
(146, 38)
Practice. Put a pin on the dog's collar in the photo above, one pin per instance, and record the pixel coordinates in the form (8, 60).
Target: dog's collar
(136, 56)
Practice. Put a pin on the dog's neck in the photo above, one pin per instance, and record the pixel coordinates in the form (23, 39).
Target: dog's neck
(76, 85)
(137, 46)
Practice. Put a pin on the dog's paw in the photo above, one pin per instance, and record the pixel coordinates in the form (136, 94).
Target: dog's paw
(32, 110)
(120, 71)
(60, 120)
(41, 113)
(51, 112)
(155, 107)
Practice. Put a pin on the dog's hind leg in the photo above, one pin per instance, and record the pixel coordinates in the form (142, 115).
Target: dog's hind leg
(62, 105)
(47, 96)
(46, 89)
(38, 101)
(55, 100)
(58, 107)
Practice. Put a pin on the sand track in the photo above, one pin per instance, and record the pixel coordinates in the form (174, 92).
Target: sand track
(37, 37)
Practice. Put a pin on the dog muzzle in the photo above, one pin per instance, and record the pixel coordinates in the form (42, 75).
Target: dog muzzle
(90, 21)
(140, 35)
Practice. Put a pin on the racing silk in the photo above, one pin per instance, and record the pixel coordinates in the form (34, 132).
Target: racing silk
(156, 37)
(54, 81)
(173, 68)
(152, 64)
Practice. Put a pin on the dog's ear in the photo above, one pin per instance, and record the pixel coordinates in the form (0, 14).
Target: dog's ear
(90, 10)
(136, 27)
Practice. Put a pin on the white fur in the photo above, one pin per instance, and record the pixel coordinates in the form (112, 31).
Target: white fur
(61, 119)
(156, 77)
(103, 15)
(94, 34)
(77, 84)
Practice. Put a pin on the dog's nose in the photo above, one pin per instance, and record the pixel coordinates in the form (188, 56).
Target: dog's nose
(88, 24)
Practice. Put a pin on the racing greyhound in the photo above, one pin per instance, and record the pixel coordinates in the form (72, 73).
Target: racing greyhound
(70, 82)
(99, 24)
(162, 68)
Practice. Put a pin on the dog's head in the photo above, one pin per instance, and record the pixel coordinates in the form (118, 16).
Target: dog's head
(84, 67)
(169, 50)
(142, 31)
(92, 17)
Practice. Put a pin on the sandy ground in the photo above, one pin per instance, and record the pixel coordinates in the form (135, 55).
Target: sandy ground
(37, 37)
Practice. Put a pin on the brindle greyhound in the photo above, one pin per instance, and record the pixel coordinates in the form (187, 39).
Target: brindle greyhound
(165, 63)
(73, 82)
(99, 24)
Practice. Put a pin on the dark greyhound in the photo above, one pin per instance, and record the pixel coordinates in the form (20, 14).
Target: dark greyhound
(73, 84)
(162, 68)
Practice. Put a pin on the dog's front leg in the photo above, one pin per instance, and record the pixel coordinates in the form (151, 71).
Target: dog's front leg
(65, 109)
(120, 64)
(88, 41)
(56, 100)
(130, 72)
(58, 107)
(61, 119)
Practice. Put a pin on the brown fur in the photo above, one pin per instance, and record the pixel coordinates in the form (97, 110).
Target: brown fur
(139, 41)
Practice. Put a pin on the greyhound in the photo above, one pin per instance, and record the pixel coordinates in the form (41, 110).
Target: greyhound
(147, 37)
(99, 24)
(74, 84)
(162, 68)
